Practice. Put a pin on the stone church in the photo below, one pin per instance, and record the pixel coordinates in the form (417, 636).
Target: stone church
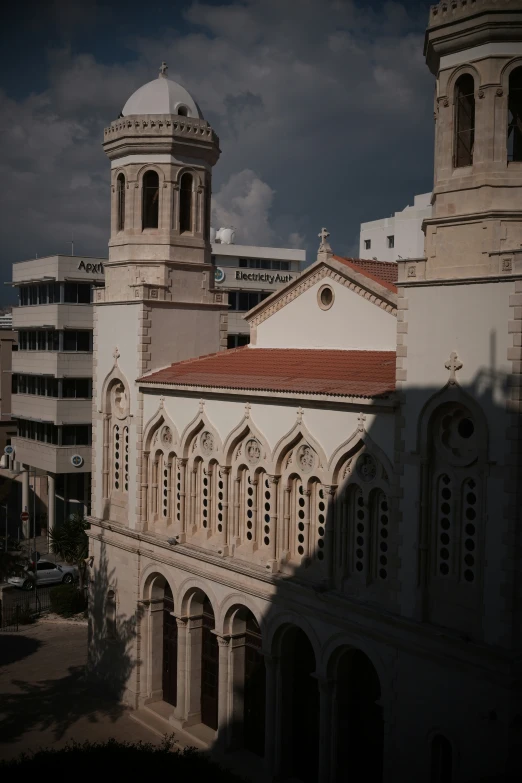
(306, 552)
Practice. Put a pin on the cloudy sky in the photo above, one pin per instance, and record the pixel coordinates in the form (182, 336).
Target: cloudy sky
(324, 109)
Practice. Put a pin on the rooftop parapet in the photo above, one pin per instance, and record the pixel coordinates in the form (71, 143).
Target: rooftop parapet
(454, 10)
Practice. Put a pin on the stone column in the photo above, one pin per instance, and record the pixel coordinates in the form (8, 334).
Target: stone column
(180, 711)
(274, 486)
(326, 688)
(155, 649)
(237, 506)
(51, 492)
(285, 553)
(193, 507)
(193, 670)
(182, 498)
(225, 472)
(223, 692)
(25, 501)
(271, 667)
(145, 490)
(237, 691)
(106, 454)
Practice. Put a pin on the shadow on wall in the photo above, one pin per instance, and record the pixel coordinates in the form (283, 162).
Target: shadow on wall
(371, 659)
(111, 637)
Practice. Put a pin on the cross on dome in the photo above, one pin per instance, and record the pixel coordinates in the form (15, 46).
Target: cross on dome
(163, 70)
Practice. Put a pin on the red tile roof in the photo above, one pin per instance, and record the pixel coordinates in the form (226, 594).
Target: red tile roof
(307, 370)
(384, 272)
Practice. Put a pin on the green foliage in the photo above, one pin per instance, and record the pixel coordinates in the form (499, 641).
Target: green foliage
(69, 541)
(66, 600)
(123, 758)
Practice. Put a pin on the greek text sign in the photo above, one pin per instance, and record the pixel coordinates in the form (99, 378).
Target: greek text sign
(93, 268)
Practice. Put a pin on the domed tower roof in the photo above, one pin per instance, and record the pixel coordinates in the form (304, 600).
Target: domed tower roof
(162, 96)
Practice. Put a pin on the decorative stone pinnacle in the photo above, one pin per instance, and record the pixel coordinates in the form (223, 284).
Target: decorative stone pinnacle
(324, 247)
(116, 354)
(453, 364)
(163, 70)
(361, 419)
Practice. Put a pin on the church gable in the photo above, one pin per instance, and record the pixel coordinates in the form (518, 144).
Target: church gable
(334, 305)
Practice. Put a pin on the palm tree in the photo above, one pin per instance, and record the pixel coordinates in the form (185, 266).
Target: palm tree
(69, 541)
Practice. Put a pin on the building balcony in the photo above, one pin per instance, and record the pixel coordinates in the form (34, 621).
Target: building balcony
(60, 364)
(52, 409)
(53, 459)
(59, 316)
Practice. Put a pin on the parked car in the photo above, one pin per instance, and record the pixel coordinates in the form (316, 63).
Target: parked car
(47, 573)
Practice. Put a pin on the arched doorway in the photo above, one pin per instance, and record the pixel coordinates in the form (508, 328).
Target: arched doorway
(360, 728)
(300, 707)
(248, 677)
(209, 668)
(170, 648)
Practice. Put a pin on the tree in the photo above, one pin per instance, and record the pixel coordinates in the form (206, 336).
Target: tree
(70, 542)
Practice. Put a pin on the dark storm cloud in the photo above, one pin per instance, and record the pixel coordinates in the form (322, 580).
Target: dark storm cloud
(323, 108)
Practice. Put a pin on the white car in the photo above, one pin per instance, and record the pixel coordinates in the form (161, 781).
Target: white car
(47, 573)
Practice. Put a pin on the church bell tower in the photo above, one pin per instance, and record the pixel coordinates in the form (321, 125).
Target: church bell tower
(474, 49)
(159, 305)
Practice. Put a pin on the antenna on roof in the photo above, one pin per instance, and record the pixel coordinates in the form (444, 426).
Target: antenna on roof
(72, 243)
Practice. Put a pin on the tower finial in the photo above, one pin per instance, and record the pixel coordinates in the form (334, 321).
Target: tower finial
(163, 70)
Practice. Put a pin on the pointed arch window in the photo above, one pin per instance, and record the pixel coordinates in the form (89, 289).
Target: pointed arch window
(514, 138)
(185, 203)
(379, 513)
(464, 121)
(120, 202)
(150, 200)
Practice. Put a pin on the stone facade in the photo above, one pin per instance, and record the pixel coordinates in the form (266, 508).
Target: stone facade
(328, 581)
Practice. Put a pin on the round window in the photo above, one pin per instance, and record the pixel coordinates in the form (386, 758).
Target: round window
(326, 297)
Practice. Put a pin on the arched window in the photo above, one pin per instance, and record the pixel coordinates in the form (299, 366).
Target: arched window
(120, 193)
(183, 111)
(464, 120)
(150, 200)
(455, 480)
(441, 760)
(514, 139)
(185, 203)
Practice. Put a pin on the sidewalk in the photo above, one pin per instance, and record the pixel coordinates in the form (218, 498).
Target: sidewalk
(44, 700)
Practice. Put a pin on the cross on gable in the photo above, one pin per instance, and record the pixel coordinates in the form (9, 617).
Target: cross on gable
(453, 364)
(247, 409)
(162, 401)
(201, 405)
(116, 353)
(163, 70)
(361, 419)
(323, 236)
(300, 414)
(324, 247)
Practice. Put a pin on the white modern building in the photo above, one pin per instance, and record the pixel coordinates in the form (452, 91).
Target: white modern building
(52, 380)
(399, 236)
(250, 274)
